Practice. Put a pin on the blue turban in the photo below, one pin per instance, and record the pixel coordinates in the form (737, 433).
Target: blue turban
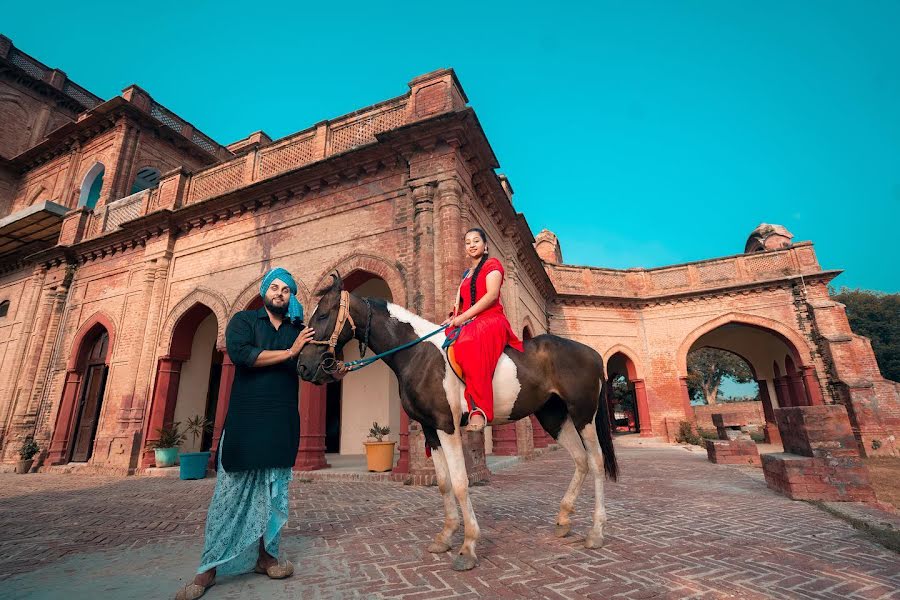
(295, 309)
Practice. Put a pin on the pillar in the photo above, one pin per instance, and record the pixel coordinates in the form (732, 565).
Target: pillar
(225, 382)
(311, 453)
(798, 390)
(813, 391)
(65, 420)
(402, 465)
(504, 438)
(640, 397)
(450, 258)
(162, 410)
(771, 428)
(782, 392)
(423, 250)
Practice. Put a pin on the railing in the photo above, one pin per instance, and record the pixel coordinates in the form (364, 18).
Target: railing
(300, 149)
(38, 70)
(799, 259)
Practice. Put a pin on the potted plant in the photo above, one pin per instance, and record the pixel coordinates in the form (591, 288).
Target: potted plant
(379, 453)
(193, 464)
(26, 455)
(166, 446)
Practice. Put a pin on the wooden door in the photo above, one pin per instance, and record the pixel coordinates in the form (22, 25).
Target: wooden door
(89, 412)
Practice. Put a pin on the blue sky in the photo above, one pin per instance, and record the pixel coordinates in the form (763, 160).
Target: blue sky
(642, 133)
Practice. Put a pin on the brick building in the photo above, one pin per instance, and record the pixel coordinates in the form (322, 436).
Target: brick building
(128, 238)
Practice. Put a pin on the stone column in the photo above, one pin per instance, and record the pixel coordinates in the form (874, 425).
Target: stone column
(162, 410)
(782, 393)
(643, 407)
(771, 428)
(524, 437)
(226, 380)
(65, 420)
(403, 462)
(686, 400)
(311, 453)
(798, 390)
(813, 391)
(140, 325)
(450, 258)
(158, 273)
(57, 300)
(423, 248)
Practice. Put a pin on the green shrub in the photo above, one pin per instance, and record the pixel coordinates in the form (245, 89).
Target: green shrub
(687, 435)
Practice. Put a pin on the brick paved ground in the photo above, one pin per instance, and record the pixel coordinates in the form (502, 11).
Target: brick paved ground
(679, 527)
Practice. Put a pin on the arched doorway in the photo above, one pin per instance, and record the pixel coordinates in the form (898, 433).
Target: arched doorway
(370, 395)
(81, 405)
(188, 378)
(627, 396)
(91, 186)
(769, 353)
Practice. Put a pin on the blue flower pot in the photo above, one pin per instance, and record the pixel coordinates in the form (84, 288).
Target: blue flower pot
(193, 464)
(165, 457)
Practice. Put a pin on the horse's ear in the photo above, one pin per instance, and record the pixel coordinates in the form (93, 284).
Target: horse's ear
(337, 284)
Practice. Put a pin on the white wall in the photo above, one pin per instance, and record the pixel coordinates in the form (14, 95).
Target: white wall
(194, 384)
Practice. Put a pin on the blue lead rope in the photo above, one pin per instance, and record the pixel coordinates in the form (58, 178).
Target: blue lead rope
(355, 365)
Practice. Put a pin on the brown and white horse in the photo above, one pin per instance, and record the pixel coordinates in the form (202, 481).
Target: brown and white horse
(557, 380)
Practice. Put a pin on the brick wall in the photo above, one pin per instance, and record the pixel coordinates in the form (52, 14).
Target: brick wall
(750, 413)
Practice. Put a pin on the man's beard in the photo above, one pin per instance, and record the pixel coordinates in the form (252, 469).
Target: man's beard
(274, 309)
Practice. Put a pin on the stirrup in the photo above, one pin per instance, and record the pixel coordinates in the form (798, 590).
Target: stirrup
(476, 428)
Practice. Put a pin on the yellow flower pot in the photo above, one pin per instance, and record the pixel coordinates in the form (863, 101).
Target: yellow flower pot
(380, 456)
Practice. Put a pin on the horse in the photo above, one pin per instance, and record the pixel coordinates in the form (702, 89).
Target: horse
(558, 380)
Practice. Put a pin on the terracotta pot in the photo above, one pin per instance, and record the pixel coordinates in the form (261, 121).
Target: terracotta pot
(380, 456)
(23, 466)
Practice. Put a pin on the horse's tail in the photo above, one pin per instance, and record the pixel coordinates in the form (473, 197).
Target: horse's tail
(604, 434)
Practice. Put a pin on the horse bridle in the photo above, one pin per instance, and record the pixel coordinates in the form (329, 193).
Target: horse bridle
(330, 364)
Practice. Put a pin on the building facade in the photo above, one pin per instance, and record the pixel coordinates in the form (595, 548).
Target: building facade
(128, 239)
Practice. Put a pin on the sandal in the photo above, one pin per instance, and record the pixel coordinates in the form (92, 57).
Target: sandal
(475, 428)
(281, 570)
(192, 591)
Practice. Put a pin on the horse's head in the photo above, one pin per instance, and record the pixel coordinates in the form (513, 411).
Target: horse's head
(318, 361)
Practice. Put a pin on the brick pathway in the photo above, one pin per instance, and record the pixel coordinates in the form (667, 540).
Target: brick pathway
(679, 527)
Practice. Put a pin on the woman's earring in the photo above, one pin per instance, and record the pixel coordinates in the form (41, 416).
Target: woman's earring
(485, 251)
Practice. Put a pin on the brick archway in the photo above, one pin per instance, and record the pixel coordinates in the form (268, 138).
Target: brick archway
(633, 374)
(64, 427)
(212, 300)
(250, 297)
(390, 273)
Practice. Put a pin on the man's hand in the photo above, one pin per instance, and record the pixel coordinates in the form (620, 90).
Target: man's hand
(305, 336)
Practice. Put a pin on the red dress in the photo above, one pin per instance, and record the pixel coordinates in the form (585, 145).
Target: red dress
(481, 342)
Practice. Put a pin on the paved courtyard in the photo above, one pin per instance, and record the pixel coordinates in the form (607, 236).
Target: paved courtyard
(679, 527)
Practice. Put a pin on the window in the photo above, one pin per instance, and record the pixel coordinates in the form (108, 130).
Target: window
(91, 186)
(4, 308)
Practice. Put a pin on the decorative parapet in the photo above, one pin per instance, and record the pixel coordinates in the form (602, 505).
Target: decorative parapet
(799, 259)
(111, 216)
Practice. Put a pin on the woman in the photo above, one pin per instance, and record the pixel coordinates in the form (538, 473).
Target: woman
(485, 331)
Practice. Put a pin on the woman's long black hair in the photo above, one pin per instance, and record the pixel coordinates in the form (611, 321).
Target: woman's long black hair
(480, 264)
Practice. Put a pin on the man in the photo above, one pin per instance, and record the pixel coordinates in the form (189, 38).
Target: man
(259, 440)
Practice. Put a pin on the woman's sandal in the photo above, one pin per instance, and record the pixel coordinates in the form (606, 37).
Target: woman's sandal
(280, 571)
(192, 591)
(473, 427)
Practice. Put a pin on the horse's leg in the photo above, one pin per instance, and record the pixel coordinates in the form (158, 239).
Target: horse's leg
(569, 439)
(451, 444)
(441, 542)
(594, 539)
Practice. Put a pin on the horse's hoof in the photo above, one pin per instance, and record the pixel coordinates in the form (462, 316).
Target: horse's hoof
(563, 530)
(593, 541)
(464, 562)
(438, 547)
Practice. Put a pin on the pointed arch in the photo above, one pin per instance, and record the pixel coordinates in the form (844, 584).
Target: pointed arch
(98, 318)
(212, 300)
(391, 273)
(628, 353)
(528, 325)
(789, 336)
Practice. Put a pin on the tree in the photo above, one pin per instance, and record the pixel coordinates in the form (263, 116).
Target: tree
(877, 316)
(707, 367)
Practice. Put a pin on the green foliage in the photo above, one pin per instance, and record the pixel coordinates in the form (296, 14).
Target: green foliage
(28, 449)
(707, 367)
(687, 435)
(197, 426)
(378, 432)
(708, 434)
(877, 316)
(169, 437)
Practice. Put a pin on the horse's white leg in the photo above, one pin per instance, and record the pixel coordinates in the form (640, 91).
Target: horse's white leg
(594, 539)
(570, 440)
(451, 444)
(441, 542)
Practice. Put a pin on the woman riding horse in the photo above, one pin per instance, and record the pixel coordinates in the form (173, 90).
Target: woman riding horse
(484, 330)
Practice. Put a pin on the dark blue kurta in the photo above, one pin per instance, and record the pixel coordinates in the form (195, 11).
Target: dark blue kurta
(263, 423)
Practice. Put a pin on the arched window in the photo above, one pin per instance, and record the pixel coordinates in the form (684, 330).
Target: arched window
(4, 308)
(146, 179)
(91, 186)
